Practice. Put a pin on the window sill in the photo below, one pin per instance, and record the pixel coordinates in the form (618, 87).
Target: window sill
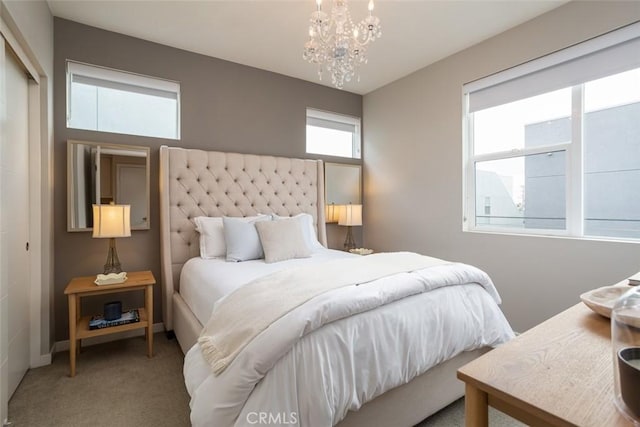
(556, 236)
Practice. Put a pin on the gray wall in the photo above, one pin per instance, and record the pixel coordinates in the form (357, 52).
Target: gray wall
(413, 172)
(225, 106)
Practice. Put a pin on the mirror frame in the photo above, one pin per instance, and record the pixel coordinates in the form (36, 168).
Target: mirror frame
(71, 196)
(342, 168)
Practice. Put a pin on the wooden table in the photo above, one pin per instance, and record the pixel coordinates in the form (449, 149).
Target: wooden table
(559, 373)
(79, 325)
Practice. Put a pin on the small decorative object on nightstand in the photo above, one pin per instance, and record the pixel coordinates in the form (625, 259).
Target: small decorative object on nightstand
(112, 310)
(111, 221)
(350, 215)
(361, 251)
(79, 327)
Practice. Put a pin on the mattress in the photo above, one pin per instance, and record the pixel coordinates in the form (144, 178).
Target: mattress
(205, 281)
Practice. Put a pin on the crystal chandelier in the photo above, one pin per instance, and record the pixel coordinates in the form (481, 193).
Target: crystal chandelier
(338, 45)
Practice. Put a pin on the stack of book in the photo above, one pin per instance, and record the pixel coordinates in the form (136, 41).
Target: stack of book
(634, 280)
(99, 322)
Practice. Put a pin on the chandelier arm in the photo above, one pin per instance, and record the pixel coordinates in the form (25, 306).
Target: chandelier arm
(325, 39)
(366, 38)
(324, 33)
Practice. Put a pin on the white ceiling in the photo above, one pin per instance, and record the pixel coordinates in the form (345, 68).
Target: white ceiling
(270, 34)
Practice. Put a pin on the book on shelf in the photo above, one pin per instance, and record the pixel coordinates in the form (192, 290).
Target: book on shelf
(635, 279)
(99, 322)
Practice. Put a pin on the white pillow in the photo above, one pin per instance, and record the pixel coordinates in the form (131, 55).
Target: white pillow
(241, 238)
(309, 231)
(211, 229)
(211, 237)
(282, 239)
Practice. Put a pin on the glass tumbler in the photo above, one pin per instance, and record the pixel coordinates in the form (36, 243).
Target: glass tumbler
(625, 341)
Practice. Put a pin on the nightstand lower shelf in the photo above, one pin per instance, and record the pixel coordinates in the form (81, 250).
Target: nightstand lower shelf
(83, 331)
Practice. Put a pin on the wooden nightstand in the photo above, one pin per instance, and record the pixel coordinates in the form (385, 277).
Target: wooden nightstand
(79, 325)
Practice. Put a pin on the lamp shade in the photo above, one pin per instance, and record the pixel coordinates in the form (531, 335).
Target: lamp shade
(111, 221)
(332, 213)
(350, 215)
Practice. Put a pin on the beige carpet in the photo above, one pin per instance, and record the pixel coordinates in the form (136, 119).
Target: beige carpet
(117, 385)
(453, 416)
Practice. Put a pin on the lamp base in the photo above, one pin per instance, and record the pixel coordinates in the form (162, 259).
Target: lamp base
(349, 243)
(113, 263)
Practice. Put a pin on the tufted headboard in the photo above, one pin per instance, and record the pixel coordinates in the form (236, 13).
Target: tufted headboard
(212, 183)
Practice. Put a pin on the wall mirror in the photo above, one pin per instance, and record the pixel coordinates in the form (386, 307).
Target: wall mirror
(100, 173)
(342, 183)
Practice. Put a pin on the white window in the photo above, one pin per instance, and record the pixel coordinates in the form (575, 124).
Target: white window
(553, 146)
(106, 100)
(332, 134)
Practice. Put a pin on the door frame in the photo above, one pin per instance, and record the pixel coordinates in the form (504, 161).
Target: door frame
(39, 281)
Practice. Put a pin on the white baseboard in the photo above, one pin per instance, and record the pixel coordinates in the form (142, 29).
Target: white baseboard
(44, 360)
(64, 345)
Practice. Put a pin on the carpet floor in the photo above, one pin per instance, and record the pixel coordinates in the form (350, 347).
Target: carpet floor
(117, 385)
(453, 416)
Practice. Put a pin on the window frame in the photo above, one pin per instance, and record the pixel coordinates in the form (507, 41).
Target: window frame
(574, 179)
(120, 79)
(470, 190)
(340, 120)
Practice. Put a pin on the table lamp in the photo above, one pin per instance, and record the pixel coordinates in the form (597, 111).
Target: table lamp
(109, 222)
(350, 215)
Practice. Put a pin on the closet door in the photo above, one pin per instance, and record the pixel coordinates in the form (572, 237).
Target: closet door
(14, 224)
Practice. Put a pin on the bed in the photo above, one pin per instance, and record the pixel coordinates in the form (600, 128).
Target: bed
(196, 183)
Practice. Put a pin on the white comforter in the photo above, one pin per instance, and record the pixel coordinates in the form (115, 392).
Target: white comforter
(204, 281)
(346, 363)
